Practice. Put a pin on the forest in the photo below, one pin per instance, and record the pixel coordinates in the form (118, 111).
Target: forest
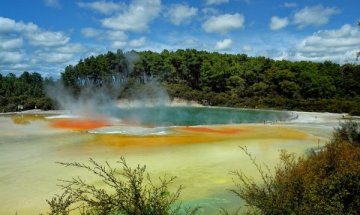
(210, 78)
(27, 91)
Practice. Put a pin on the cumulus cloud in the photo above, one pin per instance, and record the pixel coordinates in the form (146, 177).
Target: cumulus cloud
(210, 11)
(339, 45)
(71, 48)
(8, 57)
(27, 46)
(33, 33)
(137, 43)
(104, 7)
(181, 13)
(314, 16)
(212, 2)
(124, 43)
(118, 45)
(136, 18)
(52, 3)
(224, 23)
(116, 35)
(9, 44)
(118, 39)
(277, 23)
(52, 57)
(90, 32)
(47, 38)
(223, 44)
(9, 25)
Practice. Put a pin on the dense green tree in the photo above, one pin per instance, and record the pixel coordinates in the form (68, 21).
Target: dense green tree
(205, 77)
(26, 90)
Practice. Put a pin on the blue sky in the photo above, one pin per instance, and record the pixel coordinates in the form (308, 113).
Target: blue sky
(46, 35)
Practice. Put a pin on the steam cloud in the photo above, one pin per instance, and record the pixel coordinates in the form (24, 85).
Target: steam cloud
(95, 101)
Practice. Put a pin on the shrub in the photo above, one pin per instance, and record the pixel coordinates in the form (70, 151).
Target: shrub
(349, 132)
(125, 193)
(324, 182)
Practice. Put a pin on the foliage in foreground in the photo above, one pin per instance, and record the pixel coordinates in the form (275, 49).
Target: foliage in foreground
(324, 182)
(129, 191)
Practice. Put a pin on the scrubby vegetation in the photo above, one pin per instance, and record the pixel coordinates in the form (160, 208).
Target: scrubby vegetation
(211, 78)
(129, 191)
(324, 182)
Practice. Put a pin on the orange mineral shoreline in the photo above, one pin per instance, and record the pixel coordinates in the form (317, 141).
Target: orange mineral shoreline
(79, 124)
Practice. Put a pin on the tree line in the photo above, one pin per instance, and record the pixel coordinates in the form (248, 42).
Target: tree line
(210, 78)
(234, 80)
(23, 92)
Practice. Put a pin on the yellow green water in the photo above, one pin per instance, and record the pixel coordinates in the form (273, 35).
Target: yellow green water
(200, 158)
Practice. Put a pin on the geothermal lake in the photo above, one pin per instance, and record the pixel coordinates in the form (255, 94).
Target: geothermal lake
(199, 145)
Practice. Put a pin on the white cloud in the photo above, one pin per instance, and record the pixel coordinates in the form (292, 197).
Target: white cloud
(118, 39)
(71, 49)
(20, 66)
(224, 23)
(118, 45)
(181, 13)
(289, 4)
(137, 43)
(27, 46)
(315, 15)
(277, 23)
(47, 38)
(210, 11)
(52, 57)
(8, 57)
(116, 35)
(123, 43)
(52, 3)
(223, 44)
(8, 25)
(35, 35)
(338, 45)
(9, 44)
(104, 7)
(90, 32)
(136, 18)
(212, 2)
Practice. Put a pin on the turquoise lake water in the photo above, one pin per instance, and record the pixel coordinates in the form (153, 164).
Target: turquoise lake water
(187, 116)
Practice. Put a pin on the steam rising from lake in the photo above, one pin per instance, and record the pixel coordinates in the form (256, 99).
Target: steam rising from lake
(100, 100)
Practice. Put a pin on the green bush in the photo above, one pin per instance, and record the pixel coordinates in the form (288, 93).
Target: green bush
(348, 131)
(324, 182)
(129, 192)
